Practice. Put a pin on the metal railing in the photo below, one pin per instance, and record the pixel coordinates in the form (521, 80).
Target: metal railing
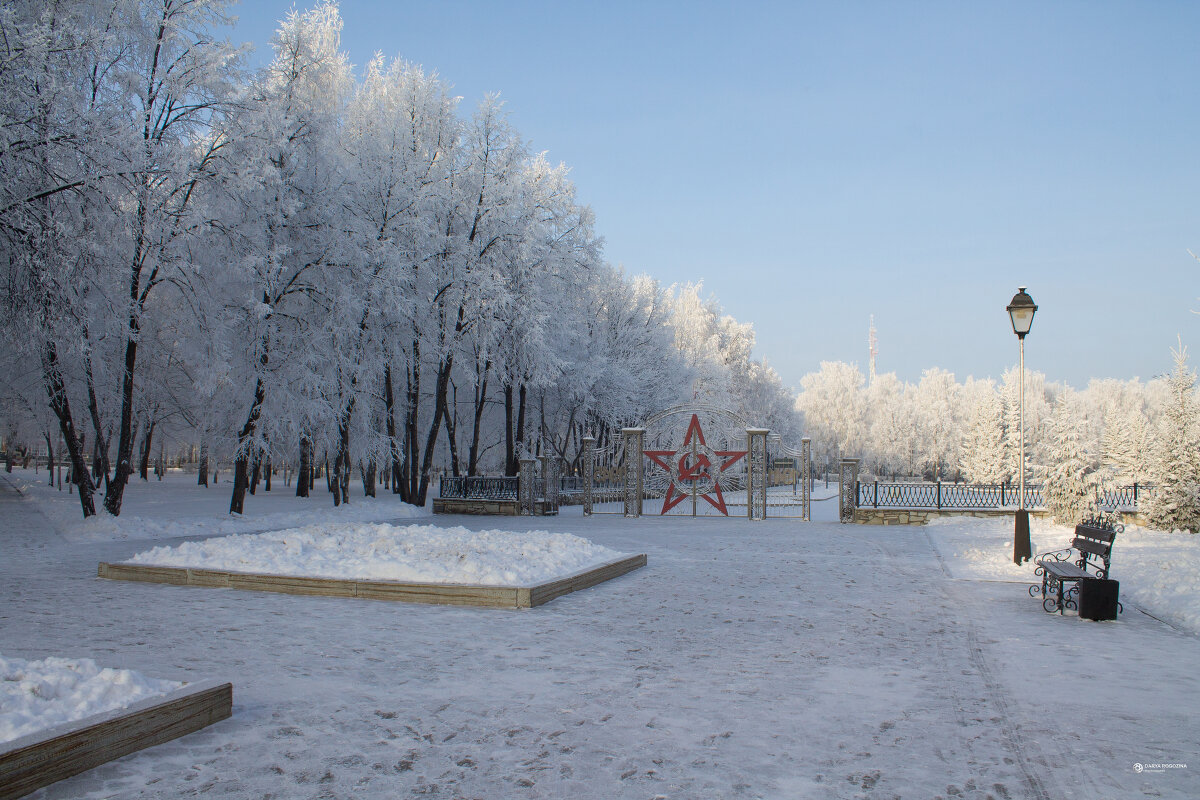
(479, 487)
(969, 496)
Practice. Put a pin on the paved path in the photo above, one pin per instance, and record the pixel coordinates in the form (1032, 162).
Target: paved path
(779, 660)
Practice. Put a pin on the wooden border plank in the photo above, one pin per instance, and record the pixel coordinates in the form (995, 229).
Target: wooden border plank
(439, 593)
(289, 584)
(544, 593)
(433, 593)
(40, 759)
(142, 572)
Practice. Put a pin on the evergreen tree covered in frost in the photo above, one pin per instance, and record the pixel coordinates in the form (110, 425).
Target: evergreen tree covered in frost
(1069, 489)
(1125, 434)
(1174, 503)
(983, 451)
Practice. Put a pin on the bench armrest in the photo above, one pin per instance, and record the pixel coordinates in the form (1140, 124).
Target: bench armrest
(1057, 555)
(1054, 555)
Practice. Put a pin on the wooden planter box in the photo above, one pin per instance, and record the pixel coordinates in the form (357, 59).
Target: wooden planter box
(49, 756)
(436, 593)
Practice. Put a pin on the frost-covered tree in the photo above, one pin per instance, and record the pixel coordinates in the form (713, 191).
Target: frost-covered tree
(982, 455)
(1174, 503)
(1124, 438)
(276, 280)
(938, 424)
(1070, 486)
(1038, 399)
(831, 401)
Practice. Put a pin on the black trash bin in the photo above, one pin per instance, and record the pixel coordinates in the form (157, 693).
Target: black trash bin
(1098, 598)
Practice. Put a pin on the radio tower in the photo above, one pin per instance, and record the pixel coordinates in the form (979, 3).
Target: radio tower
(873, 349)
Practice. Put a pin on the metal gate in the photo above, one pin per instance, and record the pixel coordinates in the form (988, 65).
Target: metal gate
(696, 460)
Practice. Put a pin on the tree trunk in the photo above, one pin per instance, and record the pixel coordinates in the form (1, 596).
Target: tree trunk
(341, 462)
(368, 478)
(115, 490)
(241, 463)
(144, 466)
(61, 406)
(100, 464)
(304, 476)
(335, 482)
(389, 399)
(451, 417)
(440, 390)
(255, 471)
(515, 438)
(202, 470)
(267, 485)
(480, 401)
(510, 452)
(50, 457)
(410, 477)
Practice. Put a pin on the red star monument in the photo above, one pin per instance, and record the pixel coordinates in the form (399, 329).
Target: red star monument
(693, 464)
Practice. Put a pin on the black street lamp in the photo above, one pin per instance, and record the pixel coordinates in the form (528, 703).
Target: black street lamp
(1021, 311)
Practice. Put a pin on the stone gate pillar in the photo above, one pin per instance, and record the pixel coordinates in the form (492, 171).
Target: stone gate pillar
(550, 482)
(756, 473)
(806, 479)
(588, 452)
(847, 489)
(633, 470)
(525, 489)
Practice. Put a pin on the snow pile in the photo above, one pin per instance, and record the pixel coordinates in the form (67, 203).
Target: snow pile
(1159, 572)
(411, 554)
(35, 695)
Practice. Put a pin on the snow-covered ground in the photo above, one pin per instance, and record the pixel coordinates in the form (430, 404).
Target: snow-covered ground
(779, 659)
(35, 695)
(409, 553)
(176, 507)
(1159, 572)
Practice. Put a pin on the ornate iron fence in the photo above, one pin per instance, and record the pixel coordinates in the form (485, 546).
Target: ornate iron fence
(571, 490)
(969, 496)
(479, 487)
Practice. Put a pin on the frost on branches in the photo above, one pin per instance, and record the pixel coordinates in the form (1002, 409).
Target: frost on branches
(1070, 488)
(341, 275)
(1174, 503)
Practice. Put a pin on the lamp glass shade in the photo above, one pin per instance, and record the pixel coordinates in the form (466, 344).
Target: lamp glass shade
(1022, 319)
(1021, 311)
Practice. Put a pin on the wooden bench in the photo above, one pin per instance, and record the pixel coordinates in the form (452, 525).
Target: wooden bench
(1087, 557)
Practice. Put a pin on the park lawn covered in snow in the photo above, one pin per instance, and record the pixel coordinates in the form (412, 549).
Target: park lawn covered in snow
(777, 659)
(1158, 571)
(176, 507)
(410, 553)
(36, 695)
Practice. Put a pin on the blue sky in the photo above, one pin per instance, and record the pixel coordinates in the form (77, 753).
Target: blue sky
(817, 163)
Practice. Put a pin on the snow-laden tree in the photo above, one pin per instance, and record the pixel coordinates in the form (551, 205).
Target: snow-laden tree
(1070, 484)
(831, 401)
(105, 109)
(1124, 437)
(890, 442)
(1174, 503)
(283, 187)
(1038, 399)
(982, 455)
(938, 425)
(700, 340)
(174, 78)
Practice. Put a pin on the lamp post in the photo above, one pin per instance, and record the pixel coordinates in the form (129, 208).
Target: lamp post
(1021, 311)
